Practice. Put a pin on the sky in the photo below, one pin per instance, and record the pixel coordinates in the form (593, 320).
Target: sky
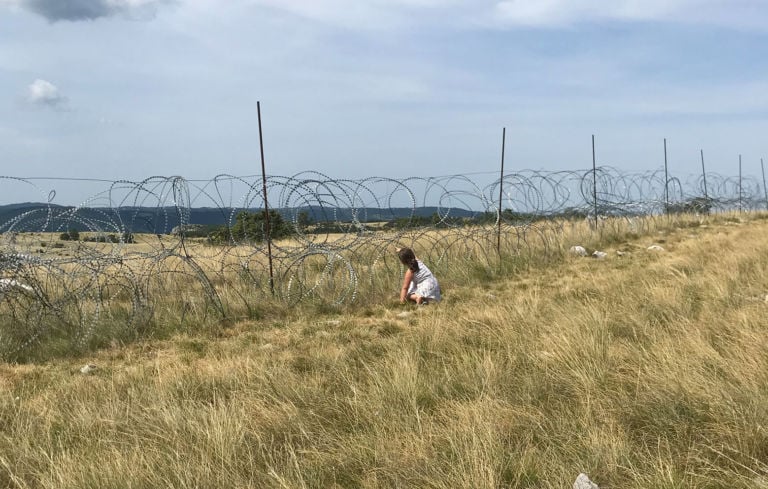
(129, 89)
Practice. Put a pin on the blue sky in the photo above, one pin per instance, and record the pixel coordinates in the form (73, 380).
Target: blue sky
(127, 89)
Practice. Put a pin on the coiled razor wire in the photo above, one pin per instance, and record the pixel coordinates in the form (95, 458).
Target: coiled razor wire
(137, 254)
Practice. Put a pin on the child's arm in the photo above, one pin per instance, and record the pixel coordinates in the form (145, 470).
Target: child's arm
(406, 283)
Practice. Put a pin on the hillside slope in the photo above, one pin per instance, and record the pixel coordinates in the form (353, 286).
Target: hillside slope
(645, 370)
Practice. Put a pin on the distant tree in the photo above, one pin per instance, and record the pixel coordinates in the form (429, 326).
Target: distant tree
(251, 226)
(440, 222)
(411, 222)
(512, 217)
(485, 218)
(70, 235)
(126, 237)
(303, 220)
(218, 235)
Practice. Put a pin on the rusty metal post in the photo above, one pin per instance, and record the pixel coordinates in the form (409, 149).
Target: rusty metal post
(666, 180)
(704, 174)
(501, 190)
(266, 205)
(765, 190)
(741, 194)
(594, 178)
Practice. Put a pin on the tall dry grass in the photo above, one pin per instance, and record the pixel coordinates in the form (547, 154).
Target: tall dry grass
(645, 371)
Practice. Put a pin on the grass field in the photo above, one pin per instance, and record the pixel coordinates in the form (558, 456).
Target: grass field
(645, 370)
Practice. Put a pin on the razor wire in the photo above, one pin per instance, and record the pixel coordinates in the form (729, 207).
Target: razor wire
(137, 243)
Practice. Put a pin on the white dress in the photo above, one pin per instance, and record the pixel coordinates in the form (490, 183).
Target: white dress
(424, 284)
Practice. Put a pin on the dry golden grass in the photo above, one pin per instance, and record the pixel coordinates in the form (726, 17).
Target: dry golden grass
(645, 371)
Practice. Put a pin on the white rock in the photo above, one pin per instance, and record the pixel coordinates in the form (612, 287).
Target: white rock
(599, 254)
(583, 482)
(577, 251)
(87, 369)
(655, 248)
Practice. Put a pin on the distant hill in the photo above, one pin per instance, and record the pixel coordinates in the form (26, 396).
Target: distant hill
(38, 217)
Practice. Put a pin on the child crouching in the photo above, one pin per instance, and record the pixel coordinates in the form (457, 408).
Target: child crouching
(419, 284)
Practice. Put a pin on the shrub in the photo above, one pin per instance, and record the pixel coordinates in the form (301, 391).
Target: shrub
(70, 235)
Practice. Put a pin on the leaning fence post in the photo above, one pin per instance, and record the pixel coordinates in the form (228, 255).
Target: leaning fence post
(501, 190)
(266, 205)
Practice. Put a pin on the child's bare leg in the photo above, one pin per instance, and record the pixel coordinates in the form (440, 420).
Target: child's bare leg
(415, 298)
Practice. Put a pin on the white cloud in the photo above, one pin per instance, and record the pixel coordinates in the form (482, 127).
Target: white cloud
(383, 14)
(749, 97)
(375, 14)
(544, 13)
(44, 93)
(559, 12)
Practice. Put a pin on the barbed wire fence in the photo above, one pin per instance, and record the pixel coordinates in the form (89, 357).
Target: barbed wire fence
(118, 256)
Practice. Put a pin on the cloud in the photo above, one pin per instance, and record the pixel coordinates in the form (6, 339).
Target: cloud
(559, 12)
(387, 14)
(555, 13)
(374, 14)
(77, 10)
(45, 94)
(383, 14)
